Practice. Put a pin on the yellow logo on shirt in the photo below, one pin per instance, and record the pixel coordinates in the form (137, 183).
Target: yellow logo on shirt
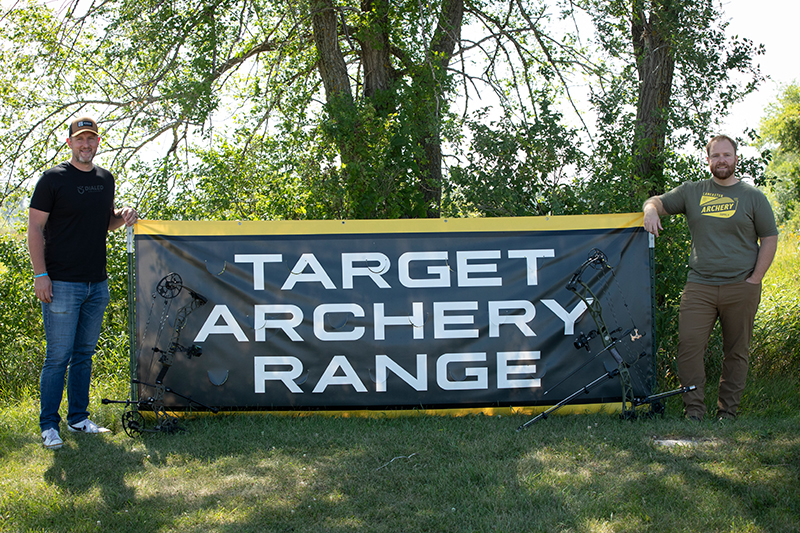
(717, 205)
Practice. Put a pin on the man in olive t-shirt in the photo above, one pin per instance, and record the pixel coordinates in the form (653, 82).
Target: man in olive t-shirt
(734, 239)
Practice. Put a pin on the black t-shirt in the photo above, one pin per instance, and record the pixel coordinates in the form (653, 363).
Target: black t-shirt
(80, 205)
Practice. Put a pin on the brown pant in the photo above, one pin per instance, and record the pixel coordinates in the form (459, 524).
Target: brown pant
(735, 305)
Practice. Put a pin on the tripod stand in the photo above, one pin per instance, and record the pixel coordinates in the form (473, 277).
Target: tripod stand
(628, 414)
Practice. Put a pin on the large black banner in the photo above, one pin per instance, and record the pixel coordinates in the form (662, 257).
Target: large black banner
(387, 315)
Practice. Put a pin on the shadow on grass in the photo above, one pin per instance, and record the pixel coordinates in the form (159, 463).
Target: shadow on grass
(571, 473)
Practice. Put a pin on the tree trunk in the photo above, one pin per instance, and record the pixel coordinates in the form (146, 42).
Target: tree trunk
(656, 66)
(442, 46)
(331, 65)
(375, 55)
(430, 79)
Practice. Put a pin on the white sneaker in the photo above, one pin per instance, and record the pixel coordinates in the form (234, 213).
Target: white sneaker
(51, 439)
(87, 426)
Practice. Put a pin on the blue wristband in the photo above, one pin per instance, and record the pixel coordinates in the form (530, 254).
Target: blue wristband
(40, 275)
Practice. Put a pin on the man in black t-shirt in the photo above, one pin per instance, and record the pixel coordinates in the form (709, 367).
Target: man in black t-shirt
(71, 211)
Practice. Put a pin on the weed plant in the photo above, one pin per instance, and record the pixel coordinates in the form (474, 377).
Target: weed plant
(775, 348)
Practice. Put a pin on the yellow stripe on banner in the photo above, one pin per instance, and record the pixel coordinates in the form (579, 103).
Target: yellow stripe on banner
(569, 409)
(417, 225)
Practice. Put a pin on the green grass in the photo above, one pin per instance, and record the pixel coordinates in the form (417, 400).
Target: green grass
(776, 339)
(263, 473)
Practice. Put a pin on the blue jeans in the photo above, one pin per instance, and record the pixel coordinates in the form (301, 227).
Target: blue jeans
(72, 324)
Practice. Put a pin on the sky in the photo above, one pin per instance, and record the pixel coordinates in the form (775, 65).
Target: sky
(772, 23)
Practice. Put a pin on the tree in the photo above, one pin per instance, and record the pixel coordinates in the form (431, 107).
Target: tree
(521, 168)
(367, 88)
(672, 63)
(780, 131)
(266, 109)
(350, 107)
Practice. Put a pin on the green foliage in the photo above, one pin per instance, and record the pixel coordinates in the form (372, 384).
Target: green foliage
(189, 94)
(782, 122)
(520, 169)
(711, 73)
(195, 99)
(112, 357)
(381, 177)
(780, 130)
(22, 342)
(253, 182)
(671, 266)
(221, 110)
(35, 72)
(775, 349)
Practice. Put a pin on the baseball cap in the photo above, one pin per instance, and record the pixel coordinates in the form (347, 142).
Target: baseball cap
(82, 124)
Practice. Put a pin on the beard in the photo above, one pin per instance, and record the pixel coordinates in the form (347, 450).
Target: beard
(723, 172)
(85, 157)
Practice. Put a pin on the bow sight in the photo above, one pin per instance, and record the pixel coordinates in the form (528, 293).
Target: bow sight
(133, 421)
(598, 261)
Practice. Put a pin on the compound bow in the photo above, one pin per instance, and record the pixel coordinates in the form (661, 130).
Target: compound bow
(598, 260)
(133, 422)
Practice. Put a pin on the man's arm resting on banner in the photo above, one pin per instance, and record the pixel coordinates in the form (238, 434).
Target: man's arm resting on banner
(653, 211)
(124, 216)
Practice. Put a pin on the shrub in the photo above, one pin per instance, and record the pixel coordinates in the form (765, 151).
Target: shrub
(22, 341)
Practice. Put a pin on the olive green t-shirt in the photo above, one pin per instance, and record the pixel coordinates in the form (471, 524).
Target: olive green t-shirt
(726, 224)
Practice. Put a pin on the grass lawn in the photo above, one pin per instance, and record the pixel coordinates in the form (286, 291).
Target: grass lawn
(262, 473)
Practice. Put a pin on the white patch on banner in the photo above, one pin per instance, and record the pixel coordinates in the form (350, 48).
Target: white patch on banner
(521, 321)
(441, 321)
(317, 274)
(384, 363)
(231, 327)
(379, 264)
(440, 273)
(465, 268)
(533, 266)
(267, 368)
(258, 260)
(569, 319)
(416, 321)
(319, 322)
(287, 377)
(446, 315)
(262, 322)
(375, 272)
